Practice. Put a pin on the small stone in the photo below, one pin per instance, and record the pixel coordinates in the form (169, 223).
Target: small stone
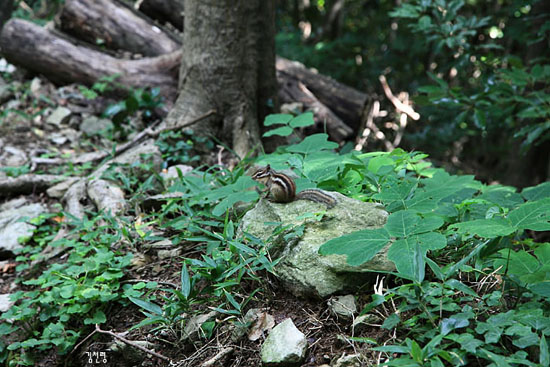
(12, 229)
(59, 116)
(168, 254)
(343, 306)
(5, 302)
(58, 139)
(58, 190)
(172, 173)
(93, 125)
(284, 345)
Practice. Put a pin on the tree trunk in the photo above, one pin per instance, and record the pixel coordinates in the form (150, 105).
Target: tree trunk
(221, 68)
(170, 11)
(116, 26)
(40, 50)
(6, 8)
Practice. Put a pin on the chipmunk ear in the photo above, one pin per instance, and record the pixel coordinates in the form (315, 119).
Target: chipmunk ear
(268, 167)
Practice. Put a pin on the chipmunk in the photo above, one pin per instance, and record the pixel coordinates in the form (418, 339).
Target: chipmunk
(281, 188)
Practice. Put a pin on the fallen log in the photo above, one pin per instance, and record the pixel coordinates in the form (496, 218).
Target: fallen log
(293, 90)
(63, 61)
(165, 11)
(346, 102)
(116, 27)
(43, 51)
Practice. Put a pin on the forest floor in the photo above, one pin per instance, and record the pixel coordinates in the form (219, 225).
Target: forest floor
(29, 131)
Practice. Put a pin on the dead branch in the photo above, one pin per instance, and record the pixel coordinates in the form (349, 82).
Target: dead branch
(400, 106)
(129, 342)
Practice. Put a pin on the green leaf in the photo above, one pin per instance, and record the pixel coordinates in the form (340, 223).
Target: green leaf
(277, 119)
(303, 120)
(281, 131)
(540, 191)
(232, 300)
(456, 321)
(407, 222)
(533, 215)
(392, 321)
(313, 143)
(377, 162)
(402, 223)
(517, 263)
(544, 353)
(416, 352)
(488, 228)
(407, 254)
(98, 318)
(458, 285)
(149, 306)
(360, 246)
(185, 281)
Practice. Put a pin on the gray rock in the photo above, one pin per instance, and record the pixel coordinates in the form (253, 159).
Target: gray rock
(57, 191)
(107, 196)
(59, 116)
(13, 204)
(58, 138)
(13, 157)
(284, 345)
(302, 269)
(168, 254)
(343, 306)
(5, 67)
(93, 125)
(5, 302)
(11, 229)
(172, 174)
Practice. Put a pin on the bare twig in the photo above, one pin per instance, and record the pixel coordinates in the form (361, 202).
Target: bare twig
(129, 342)
(396, 102)
(221, 354)
(83, 340)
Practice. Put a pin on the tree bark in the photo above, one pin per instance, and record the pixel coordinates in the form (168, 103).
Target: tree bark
(220, 70)
(6, 8)
(170, 11)
(40, 50)
(115, 26)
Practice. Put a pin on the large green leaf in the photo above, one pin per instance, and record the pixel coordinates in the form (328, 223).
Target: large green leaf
(359, 246)
(313, 143)
(537, 192)
(488, 228)
(303, 120)
(407, 222)
(533, 215)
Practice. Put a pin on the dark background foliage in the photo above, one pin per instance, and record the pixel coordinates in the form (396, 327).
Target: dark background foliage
(478, 73)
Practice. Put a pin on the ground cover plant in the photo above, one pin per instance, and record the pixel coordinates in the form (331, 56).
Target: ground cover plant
(471, 290)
